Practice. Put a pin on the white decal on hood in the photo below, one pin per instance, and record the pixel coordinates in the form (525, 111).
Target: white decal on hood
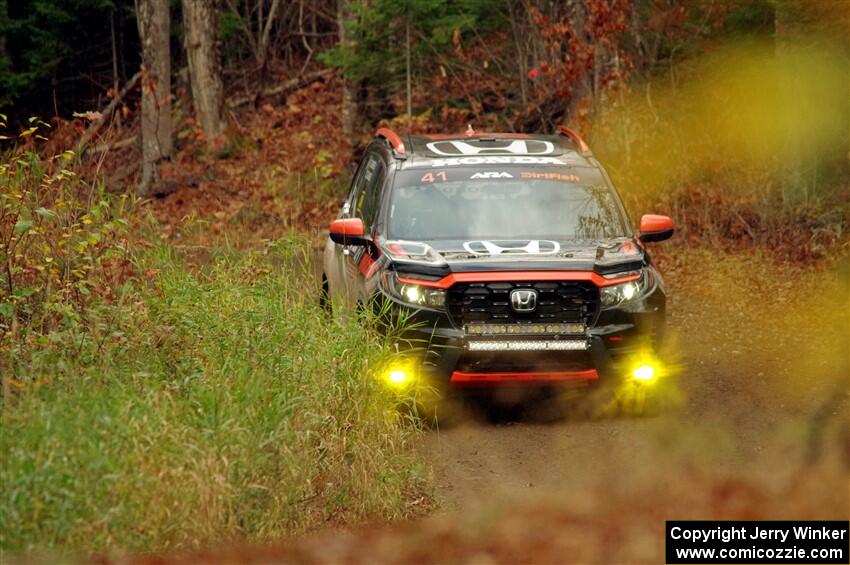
(533, 247)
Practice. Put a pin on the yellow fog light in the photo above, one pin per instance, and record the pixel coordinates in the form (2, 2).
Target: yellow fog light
(644, 373)
(397, 377)
(399, 374)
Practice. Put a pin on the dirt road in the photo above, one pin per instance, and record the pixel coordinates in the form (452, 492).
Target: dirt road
(761, 352)
(757, 359)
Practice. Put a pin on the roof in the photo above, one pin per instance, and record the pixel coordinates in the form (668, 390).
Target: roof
(423, 150)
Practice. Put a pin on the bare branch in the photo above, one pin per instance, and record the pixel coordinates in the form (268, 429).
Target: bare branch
(282, 87)
(106, 113)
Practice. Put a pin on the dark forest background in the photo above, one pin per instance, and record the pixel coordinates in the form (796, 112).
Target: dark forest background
(58, 57)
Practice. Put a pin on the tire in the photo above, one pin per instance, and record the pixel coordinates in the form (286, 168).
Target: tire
(618, 398)
(325, 296)
(437, 407)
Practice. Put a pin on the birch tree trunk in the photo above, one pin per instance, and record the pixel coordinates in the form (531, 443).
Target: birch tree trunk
(200, 24)
(348, 112)
(154, 30)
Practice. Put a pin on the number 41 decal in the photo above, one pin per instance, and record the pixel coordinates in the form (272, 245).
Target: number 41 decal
(431, 177)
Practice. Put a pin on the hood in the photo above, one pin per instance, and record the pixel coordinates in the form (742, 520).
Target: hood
(603, 256)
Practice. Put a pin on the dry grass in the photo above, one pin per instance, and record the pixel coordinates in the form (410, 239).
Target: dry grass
(221, 404)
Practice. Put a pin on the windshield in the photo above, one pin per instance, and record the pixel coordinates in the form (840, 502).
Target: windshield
(504, 203)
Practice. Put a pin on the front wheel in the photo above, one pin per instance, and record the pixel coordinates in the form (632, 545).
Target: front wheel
(617, 396)
(434, 404)
(325, 296)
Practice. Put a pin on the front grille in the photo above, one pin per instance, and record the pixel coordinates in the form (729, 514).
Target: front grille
(489, 302)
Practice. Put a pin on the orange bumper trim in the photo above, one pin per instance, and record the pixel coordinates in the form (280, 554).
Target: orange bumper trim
(462, 378)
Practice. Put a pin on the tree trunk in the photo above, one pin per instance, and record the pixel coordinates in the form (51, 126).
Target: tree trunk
(517, 31)
(811, 45)
(407, 64)
(115, 79)
(348, 112)
(789, 40)
(583, 87)
(200, 23)
(154, 31)
(263, 41)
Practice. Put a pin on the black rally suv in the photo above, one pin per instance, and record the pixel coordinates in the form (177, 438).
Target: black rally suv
(511, 253)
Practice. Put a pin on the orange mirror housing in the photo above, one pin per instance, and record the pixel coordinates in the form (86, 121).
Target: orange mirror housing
(348, 226)
(348, 231)
(654, 227)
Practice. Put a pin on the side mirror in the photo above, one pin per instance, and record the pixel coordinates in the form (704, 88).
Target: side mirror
(655, 228)
(348, 231)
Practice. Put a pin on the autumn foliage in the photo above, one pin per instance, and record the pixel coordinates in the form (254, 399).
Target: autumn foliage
(168, 378)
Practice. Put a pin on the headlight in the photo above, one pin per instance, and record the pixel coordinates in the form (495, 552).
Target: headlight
(413, 294)
(632, 291)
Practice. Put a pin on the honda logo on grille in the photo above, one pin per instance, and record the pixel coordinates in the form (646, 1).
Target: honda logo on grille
(524, 300)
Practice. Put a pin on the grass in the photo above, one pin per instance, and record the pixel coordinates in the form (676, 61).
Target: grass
(159, 396)
(207, 406)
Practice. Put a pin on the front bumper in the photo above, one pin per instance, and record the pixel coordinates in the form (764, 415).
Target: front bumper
(445, 358)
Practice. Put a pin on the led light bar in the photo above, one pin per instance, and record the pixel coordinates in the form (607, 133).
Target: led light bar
(537, 345)
(524, 329)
